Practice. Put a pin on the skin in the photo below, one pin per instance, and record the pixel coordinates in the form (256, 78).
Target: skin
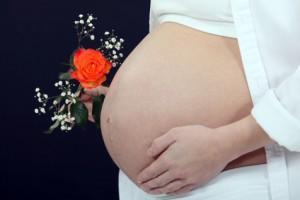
(179, 163)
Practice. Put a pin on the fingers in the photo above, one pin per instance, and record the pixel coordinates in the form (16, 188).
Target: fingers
(171, 187)
(96, 91)
(158, 182)
(89, 106)
(184, 189)
(85, 97)
(92, 92)
(156, 168)
(161, 143)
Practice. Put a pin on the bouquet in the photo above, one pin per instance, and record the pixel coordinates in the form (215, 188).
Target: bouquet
(88, 68)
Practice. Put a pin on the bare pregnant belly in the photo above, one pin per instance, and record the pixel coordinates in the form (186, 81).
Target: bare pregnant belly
(176, 76)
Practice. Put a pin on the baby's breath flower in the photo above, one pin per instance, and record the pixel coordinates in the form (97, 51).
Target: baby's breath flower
(118, 44)
(43, 110)
(113, 40)
(59, 117)
(110, 46)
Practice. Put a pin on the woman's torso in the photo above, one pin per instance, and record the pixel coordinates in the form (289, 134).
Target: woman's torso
(170, 80)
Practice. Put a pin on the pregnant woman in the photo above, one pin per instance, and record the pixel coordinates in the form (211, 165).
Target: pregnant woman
(207, 105)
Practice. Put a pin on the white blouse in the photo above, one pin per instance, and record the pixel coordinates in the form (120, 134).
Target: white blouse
(207, 16)
(268, 32)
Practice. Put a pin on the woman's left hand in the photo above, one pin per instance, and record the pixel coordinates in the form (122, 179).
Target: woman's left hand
(186, 157)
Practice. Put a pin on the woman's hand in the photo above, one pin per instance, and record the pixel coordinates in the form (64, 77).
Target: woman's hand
(87, 98)
(187, 157)
(190, 156)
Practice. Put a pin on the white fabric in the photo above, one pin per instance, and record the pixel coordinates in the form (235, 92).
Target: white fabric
(209, 16)
(268, 32)
(246, 183)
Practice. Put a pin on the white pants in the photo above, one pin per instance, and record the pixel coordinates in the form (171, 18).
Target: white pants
(245, 183)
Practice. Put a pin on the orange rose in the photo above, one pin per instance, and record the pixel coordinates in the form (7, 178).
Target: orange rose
(91, 67)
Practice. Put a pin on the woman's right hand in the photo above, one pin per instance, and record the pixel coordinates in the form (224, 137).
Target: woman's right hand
(87, 98)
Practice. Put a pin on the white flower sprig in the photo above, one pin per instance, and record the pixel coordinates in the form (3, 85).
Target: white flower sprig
(111, 46)
(68, 110)
(61, 103)
(85, 27)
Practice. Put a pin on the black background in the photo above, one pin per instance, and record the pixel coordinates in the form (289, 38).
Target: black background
(36, 36)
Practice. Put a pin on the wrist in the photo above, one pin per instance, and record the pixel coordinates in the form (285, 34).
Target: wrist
(243, 136)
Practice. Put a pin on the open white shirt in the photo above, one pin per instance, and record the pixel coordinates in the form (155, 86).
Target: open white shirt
(268, 32)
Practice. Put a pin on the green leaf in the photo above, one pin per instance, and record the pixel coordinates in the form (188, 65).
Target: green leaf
(72, 60)
(80, 112)
(64, 76)
(96, 110)
(51, 129)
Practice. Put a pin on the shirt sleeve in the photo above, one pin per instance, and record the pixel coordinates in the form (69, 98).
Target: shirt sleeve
(278, 112)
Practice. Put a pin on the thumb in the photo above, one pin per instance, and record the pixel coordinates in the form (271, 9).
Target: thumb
(161, 143)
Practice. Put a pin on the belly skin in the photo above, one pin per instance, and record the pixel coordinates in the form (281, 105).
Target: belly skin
(176, 76)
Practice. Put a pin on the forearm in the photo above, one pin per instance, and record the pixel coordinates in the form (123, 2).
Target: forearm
(243, 136)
